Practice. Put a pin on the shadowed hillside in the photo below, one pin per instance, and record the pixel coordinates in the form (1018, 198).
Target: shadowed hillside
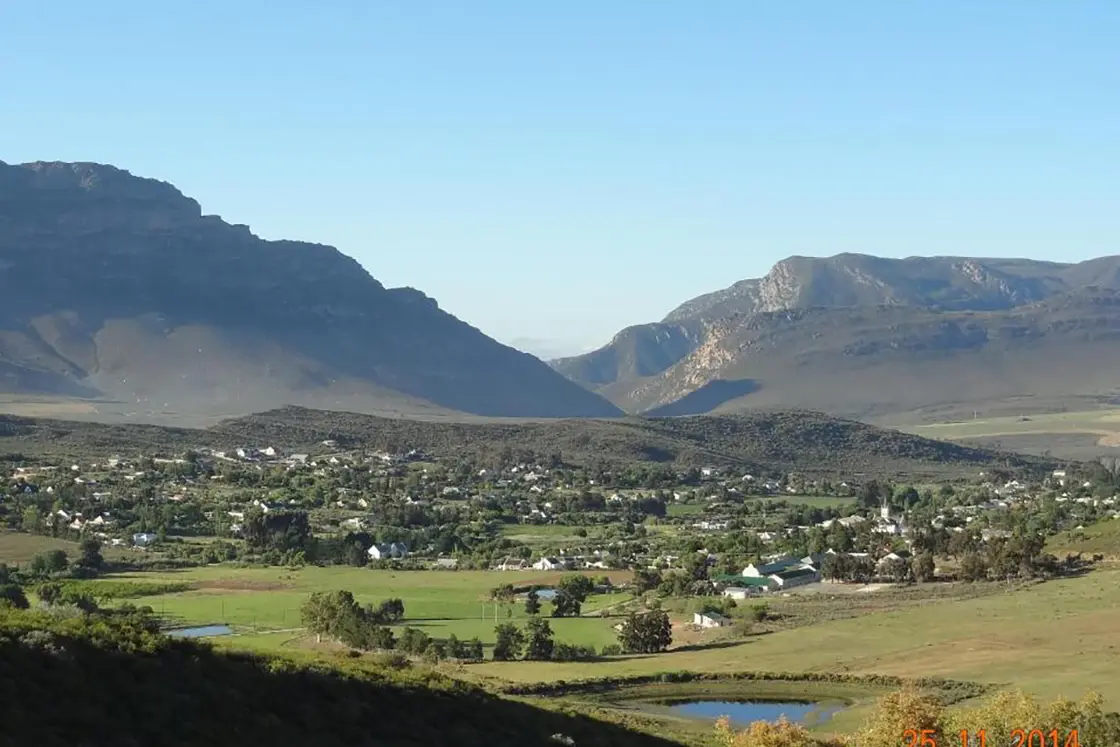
(760, 442)
(119, 288)
(91, 681)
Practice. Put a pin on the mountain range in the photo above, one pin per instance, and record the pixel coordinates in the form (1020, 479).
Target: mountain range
(869, 337)
(118, 290)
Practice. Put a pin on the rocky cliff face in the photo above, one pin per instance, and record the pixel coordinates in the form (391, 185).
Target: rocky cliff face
(855, 335)
(119, 287)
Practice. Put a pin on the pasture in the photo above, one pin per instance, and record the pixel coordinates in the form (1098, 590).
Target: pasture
(264, 603)
(1102, 538)
(17, 547)
(814, 501)
(1051, 639)
(1099, 426)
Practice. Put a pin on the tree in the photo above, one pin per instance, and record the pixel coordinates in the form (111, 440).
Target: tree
(646, 580)
(923, 567)
(47, 563)
(474, 649)
(577, 586)
(456, 649)
(901, 710)
(974, 567)
(508, 641)
(646, 633)
(389, 611)
(896, 570)
(565, 605)
(13, 595)
(781, 733)
(49, 593)
(539, 644)
(90, 555)
(533, 603)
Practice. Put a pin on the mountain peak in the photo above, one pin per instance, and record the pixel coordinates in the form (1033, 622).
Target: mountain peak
(118, 287)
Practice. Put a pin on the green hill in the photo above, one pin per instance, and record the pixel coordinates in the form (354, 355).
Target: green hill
(760, 442)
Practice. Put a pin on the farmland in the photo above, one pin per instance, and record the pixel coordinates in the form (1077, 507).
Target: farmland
(1025, 637)
(261, 601)
(1075, 435)
(16, 547)
(1029, 638)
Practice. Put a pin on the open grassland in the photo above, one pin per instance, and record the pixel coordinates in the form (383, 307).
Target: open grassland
(815, 501)
(1102, 538)
(545, 535)
(1050, 639)
(260, 601)
(16, 547)
(1051, 431)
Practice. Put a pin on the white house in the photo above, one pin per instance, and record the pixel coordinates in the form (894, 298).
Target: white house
(709, 620)
(143, 539)
(388, 551)
(548, 564)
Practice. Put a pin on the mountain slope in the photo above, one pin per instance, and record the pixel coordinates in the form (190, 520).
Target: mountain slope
(119, 287)
(863, 336)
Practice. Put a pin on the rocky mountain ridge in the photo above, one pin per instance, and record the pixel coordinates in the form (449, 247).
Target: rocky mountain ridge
(863, 336)
(120, 289)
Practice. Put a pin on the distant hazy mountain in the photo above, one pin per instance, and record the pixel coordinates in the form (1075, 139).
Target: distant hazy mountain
(119, 288)
(865, 336)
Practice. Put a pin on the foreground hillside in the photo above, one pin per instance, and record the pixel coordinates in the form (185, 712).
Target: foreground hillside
(869, 337)
(118, 288)
(785, 441)
(95, 681)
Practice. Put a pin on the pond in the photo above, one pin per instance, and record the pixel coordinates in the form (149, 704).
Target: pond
(742, 713)
(203, 631)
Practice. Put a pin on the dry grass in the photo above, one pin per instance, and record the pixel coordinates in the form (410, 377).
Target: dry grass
(16, 547)
(1051, 639)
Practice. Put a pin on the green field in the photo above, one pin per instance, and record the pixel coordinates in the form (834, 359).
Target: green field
(545, 535)
(16, 547)
(1101, 538)
(815, 501)
(257, 601)
(1051, 639)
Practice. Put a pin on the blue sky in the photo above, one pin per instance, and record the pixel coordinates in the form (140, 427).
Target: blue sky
(556, 171)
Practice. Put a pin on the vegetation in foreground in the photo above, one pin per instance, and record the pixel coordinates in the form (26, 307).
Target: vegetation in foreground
(909, 716)
(79, 678)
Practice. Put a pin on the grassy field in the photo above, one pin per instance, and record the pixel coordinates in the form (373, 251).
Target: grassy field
(1103, 425)
(1101, 538)
(256, 601)
(16, 547)
(1051, 639)
(816, 501)
(545, 535)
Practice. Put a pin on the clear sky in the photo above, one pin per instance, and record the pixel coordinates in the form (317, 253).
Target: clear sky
(557, 171)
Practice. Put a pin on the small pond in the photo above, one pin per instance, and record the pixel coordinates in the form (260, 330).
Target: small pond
(203, 631)
(742, 713)
(546, 595)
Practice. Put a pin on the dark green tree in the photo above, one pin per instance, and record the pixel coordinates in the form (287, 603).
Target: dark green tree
(533, 603)
(508, 642)
(646, 633)
(539, 643)
(576, 585)
(565, 605)
(90, 555)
